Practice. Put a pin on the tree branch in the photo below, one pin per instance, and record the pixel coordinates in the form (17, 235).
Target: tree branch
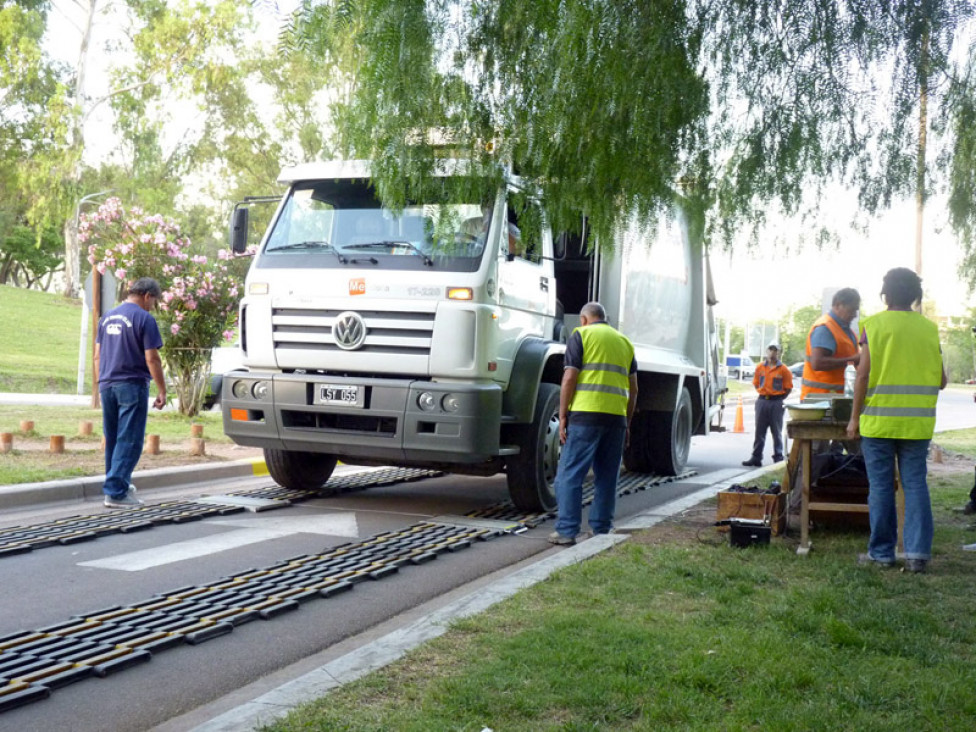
(115, 93)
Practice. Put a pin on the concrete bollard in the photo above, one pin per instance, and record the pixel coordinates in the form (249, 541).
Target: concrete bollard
(196, 430)
(6, 442)
(85, 427)
(152, 444)
(197, 447)
(57, 444)
(938, 454)
(26, 425)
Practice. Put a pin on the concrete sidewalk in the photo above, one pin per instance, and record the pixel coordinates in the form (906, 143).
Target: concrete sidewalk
(47, 400)
(22, 495)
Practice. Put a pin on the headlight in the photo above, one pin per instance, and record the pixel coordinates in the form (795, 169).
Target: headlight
(451, 402)
(427, 402)
(241, 390)
(260, 389)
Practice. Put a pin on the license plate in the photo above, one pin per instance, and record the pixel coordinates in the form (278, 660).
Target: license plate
(342, 395)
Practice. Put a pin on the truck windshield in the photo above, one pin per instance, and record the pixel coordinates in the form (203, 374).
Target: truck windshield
(340, 223)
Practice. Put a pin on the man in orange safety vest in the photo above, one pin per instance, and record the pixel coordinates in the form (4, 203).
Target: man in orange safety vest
(831, 345)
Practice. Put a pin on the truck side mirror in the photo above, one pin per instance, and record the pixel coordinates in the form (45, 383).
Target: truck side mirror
(559, 246)
(238, 229)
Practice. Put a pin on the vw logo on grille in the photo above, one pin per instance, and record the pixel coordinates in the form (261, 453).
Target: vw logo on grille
(349, 331)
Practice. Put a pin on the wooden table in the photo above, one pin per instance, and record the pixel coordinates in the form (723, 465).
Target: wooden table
(803, 435)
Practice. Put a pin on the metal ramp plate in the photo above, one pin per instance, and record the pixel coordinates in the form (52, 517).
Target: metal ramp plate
(248, 503)
(508, 527)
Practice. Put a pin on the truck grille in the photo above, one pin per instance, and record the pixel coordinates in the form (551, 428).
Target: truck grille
(393, 332)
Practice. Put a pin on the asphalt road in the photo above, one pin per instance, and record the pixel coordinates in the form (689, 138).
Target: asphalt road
(52, 585)
(188, 684)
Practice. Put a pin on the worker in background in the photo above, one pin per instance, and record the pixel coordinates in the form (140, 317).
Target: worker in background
(831, 345)
(774, 382)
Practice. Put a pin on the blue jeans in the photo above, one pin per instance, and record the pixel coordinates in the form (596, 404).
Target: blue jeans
(879, 459)
(589, 446)
(125, 405)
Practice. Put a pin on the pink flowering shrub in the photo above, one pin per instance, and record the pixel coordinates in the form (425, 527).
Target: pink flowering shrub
(198, 309)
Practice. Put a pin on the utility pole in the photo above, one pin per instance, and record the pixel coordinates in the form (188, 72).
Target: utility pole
(96, 313)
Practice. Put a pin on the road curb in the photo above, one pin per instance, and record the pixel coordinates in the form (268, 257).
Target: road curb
(89, 488)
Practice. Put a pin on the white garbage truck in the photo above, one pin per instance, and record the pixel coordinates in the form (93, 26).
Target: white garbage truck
(433, 335)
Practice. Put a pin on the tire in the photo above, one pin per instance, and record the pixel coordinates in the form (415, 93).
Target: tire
(660, 441)
(532, 473)
(299, 471)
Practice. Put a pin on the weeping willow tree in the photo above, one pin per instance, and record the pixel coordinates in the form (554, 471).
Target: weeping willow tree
(597, 102)
(748, 107)
(962, 168)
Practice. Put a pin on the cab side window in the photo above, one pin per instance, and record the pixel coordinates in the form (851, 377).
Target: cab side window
(524, 230)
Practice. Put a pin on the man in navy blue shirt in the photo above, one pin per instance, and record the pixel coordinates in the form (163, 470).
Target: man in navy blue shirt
(126, 357)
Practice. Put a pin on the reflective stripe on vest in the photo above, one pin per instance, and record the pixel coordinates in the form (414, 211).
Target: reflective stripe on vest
(603, 384)
(826, 382)
(906, 371)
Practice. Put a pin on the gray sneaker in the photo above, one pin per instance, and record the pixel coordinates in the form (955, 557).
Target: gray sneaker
(918, 566)
(866, 560)
(126, 501)
(560, 540)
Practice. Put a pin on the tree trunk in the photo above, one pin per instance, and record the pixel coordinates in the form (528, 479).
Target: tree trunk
(72, 259)
(923, 103)
(5, 266)
(76, 140)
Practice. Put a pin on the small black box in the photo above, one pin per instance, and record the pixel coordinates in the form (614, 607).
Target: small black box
(743, 534)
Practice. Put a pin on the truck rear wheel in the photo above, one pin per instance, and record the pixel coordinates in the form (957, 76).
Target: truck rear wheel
(660, 441)
(532, 473)
(299, 471)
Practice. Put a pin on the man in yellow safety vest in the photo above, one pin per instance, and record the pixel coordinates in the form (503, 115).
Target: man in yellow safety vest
(895, 393)
(596, 401)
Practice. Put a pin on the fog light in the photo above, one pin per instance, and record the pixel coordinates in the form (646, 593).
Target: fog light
(241, 390)
(260, 389)
(427, 402)
(451, 402)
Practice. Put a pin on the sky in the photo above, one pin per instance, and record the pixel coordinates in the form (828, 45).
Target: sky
(750, 285)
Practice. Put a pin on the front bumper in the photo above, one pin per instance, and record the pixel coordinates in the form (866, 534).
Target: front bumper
(389, 426)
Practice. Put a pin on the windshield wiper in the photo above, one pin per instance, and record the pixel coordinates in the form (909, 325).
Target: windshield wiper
(392, 243)
(312, 244)
(304, 245)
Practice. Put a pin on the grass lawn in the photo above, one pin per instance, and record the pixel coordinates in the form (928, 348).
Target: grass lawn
(169, 425)
(739, 388)
(30, 465)
(674, 629)
(39, 337)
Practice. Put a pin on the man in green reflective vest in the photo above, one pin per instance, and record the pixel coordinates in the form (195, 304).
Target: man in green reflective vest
(897, 386)
(596, 401)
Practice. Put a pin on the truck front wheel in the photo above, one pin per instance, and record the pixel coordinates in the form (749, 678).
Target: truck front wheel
(532, 473)
(299, 471)
(660, 441)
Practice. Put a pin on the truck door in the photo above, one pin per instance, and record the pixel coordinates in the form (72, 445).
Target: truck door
(526, 286)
